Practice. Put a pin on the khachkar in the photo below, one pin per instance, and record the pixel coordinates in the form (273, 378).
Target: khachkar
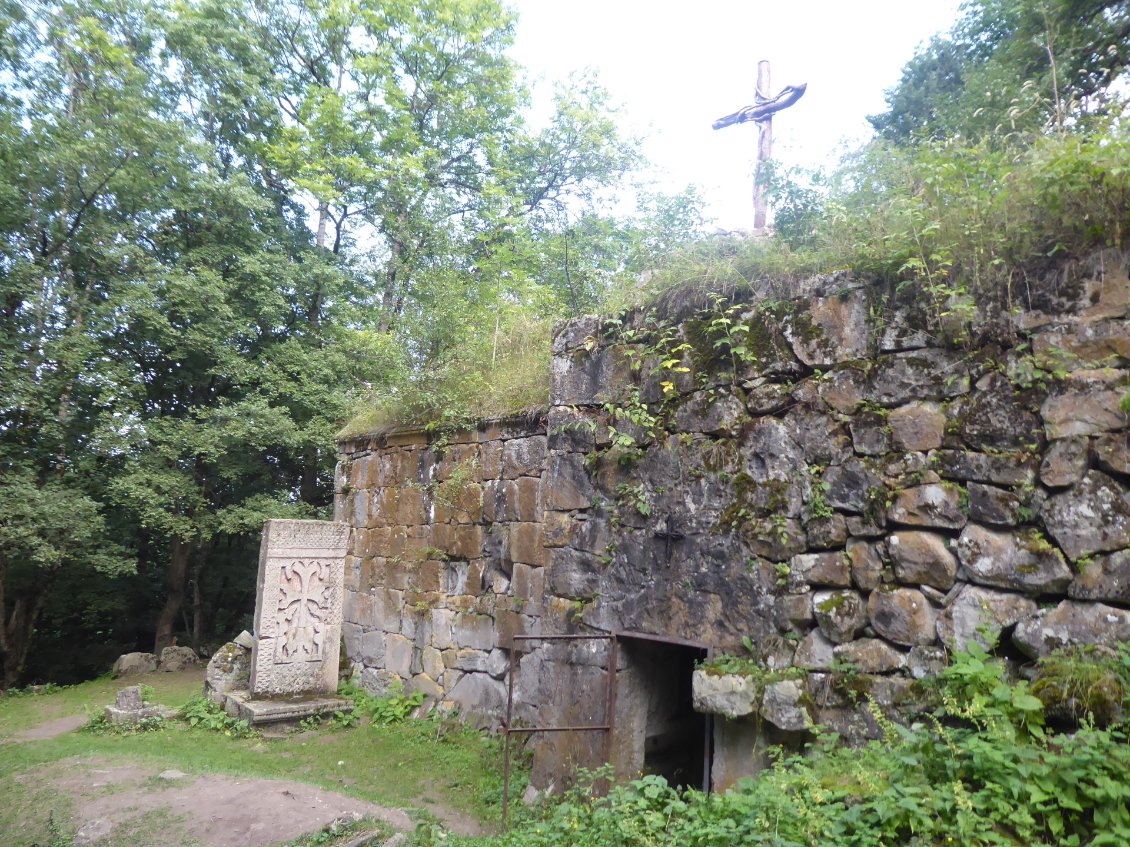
(298, 608)
(294, 659)
(762, 112)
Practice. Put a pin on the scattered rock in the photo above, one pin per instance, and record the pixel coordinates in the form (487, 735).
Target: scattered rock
(175, 659)
(130, 664)
(245, 640)
(171, 775)
(92, 832)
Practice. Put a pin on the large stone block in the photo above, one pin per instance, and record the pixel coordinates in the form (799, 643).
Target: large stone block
(937, 505)
(298, 609)
(1020, 560)
(733, 695)
(994, 506)
(1088, 404)
(922, 558)
(129, 664)
(523, 456)
(567, 483)
(785, 705)
(708, 413)
(870, 655)
(828, 330)
(979, 612)
(918, 426)
(902, 615)
(929, 374)
(1103, 578)
(474, 630)
(581, 378)
(1065, 462)
(839, 614)
(1071, 623)
(1018, 468)
(866, 564)
(1112, 452)
(995, 417)
(1092, 517)
(823, 569)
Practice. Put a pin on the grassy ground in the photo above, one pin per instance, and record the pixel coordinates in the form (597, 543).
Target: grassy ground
(440, 769)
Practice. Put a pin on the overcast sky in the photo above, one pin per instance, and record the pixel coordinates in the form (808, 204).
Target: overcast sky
(677, 66)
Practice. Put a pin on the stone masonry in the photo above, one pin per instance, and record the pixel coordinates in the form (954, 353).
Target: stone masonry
(849, 491)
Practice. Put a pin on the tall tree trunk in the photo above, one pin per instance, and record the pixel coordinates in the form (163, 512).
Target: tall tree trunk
(18, 632)
(175, 579)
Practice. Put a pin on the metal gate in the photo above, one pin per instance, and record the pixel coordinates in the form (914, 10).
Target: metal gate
(609, 725)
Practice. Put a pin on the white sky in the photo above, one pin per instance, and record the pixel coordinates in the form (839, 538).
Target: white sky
(677, 66)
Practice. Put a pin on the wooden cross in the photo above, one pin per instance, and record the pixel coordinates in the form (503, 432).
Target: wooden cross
(762, 113)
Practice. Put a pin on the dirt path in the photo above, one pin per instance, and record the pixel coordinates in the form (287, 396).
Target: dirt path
(212, 810)
(51, 729)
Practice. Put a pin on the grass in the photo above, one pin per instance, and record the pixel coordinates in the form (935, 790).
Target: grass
(409, 765)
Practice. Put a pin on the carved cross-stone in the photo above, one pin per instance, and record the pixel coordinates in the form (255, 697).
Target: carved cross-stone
(761, 112)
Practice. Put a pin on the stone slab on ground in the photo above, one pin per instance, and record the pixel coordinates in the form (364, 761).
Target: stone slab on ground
(241, 705)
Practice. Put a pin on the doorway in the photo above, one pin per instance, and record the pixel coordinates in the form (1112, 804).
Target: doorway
(658, 730)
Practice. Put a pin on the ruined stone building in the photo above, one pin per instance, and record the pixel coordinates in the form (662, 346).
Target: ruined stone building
(834, 478)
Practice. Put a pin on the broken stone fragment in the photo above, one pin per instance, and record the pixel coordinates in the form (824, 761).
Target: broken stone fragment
(229, 669)
(1019, 560)
(978, 612)
(902, 615)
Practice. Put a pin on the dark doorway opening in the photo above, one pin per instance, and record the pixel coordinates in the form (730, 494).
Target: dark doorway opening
(665, 735)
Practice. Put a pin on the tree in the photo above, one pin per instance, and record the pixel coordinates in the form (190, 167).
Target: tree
(1011, 66)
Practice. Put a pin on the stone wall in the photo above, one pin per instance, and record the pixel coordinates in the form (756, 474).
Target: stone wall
(840, 475)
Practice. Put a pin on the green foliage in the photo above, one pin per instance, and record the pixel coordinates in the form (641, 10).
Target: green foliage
(1012, 66)
(202, 713)
(394, 708)
(99, 724)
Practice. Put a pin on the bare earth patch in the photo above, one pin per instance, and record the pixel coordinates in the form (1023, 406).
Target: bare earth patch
(51, 729)
(214, 810)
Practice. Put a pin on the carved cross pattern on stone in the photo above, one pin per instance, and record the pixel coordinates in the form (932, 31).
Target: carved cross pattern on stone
(300, 617)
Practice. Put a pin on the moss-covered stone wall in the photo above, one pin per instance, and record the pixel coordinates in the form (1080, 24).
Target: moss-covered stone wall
(851, 479)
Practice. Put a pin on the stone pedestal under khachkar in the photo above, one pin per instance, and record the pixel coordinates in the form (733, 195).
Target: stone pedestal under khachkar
(294, 661)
